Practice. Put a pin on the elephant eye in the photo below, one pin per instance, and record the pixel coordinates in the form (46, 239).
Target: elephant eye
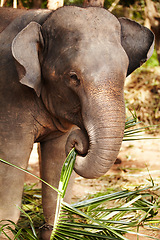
(74, 78)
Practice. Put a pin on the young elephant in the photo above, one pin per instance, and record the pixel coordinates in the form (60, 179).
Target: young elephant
(59, 69)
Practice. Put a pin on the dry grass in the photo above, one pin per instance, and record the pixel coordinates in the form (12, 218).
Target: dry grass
(142, 93)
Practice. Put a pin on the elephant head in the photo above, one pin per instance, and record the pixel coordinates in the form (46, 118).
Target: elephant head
(77, 62)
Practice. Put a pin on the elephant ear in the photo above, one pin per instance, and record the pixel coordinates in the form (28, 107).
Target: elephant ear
(137, 41)
(25, 51)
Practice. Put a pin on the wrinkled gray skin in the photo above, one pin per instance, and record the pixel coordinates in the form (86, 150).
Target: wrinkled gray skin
(58, 70)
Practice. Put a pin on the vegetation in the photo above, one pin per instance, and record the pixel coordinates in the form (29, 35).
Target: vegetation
(135, 5)
(142, 90)
(108, 216)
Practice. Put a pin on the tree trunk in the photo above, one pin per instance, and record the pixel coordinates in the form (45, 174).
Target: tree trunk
(37, 4)
(153, 22)
(2, 3)
(54, 4)
(93, 3)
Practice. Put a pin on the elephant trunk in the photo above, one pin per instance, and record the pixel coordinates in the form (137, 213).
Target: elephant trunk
(98, 147)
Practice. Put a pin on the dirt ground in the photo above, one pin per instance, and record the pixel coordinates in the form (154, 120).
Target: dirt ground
(136, 160)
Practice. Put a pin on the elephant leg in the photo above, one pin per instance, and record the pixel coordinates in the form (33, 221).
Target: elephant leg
(52, 159)
(12, 180)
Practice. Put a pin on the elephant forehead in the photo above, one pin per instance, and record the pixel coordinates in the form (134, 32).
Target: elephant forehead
(84, 39)
(89, 22)
(74, 32)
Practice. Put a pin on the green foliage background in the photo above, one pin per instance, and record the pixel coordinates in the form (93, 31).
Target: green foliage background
(107, 4)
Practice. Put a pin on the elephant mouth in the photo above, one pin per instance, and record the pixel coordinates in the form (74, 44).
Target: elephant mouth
(80, 140)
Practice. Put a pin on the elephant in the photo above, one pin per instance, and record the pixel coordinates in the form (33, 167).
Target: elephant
(62, 77)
